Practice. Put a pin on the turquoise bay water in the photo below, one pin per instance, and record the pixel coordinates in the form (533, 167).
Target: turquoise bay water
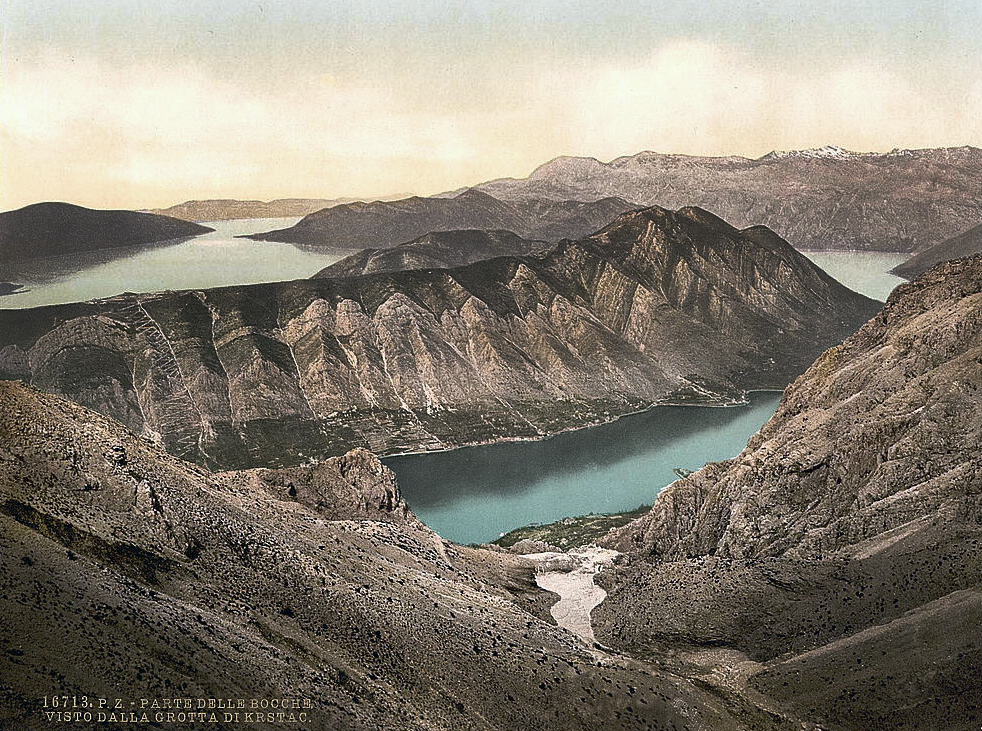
(474, 494)
(867, 272)
(213, 260)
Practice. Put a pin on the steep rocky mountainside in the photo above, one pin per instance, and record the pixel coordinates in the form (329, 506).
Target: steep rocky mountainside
(438, 250)
(905, 200)
(380, 225)
(965, 244)
(46, 229)
(657, 307)
(841, 548)
(128, 574)
(223, 209)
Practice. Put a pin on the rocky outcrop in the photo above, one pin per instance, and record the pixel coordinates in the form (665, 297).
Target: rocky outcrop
(439, 250)
(965, 244)
(128, 574)
(380, 225)
(904, 200)
(839, 550)
(658, 307)
(354, 486)
(47, 229)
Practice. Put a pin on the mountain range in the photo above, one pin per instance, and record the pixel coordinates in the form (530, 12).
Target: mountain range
(383, 224)
(659, 306)
(48, 229)
(822, 199)
(825, 199)
(826, 578)
(222, 209)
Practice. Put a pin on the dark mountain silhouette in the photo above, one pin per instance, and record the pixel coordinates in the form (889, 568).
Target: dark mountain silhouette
(965, 244)
(46, 229)
(382, 224)
(438, 250)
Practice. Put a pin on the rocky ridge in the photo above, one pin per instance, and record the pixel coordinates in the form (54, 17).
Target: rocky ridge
(659, 306)
(965, 244)
(905, 200)
(838, 554)
(383, 224)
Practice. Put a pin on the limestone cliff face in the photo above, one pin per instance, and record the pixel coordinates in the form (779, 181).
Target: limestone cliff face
(881, 431)
(840, 549)
(658, 306)
(126, 573)
(349, 487)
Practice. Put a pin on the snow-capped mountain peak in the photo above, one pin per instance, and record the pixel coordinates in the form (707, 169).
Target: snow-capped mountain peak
(829, 151)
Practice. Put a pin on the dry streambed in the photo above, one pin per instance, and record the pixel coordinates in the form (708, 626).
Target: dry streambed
(570, 575)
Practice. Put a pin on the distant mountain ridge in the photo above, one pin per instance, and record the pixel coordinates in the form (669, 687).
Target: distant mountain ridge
(659, 306)
(965, 244)
(46, 229)
(381, 224)
(827, 198)
(827, 151)
(222, 209)
(437, 250)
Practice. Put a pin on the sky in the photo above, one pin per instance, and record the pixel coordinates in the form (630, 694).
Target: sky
(138, 104)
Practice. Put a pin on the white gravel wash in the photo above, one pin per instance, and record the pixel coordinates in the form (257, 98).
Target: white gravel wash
(570, 575)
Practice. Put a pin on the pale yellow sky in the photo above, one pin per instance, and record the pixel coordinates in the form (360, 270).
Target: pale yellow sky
(130, 109)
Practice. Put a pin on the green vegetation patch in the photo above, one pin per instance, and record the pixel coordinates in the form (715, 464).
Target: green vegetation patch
(572, 532)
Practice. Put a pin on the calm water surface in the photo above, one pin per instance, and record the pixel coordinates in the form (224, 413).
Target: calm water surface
(867, 272)
(475, 494)
(213, 260)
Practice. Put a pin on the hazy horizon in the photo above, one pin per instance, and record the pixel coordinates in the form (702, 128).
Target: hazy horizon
(409, 194)
(116, 104)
